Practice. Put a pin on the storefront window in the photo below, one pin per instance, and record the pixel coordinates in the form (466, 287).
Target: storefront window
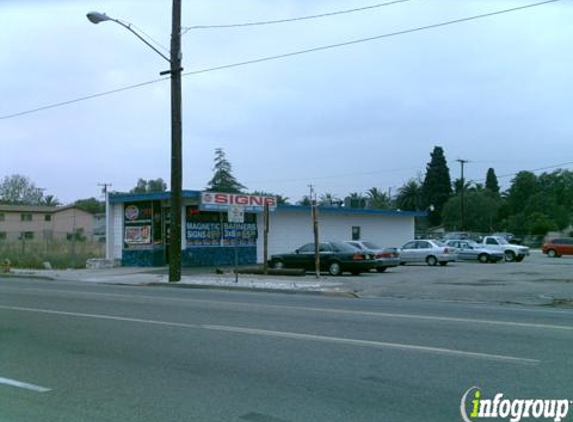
(208, 228)
(138, 224)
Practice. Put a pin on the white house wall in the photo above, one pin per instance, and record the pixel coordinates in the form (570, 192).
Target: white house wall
(115, 231)
(290, 229)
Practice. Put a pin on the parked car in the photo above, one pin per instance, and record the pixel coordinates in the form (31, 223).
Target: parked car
(510, 237)
(385, 257)
(554, 248)
(429, 251)
(512, 252)
(335, 257)
(470, 250)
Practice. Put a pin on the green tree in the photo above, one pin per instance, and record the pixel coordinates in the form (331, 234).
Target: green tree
(437, 186)
(149, 186)
(91, 205)
(223, 179)
(355, 200)
(305, 201)
(523, 186)
(51, 201)
(378, 199)
(481, 211)
(491, 182)
(409, 197)
(19, 190)
(329, 200)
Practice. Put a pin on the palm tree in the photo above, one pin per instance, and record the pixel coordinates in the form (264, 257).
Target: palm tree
(357, 200)
(328, 199)
(378, 199)
(410, 196)
(50, 201)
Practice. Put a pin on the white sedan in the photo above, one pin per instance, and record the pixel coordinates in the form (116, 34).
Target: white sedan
(432, 252)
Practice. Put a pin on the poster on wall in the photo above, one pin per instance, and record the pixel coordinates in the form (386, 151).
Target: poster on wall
(137, 235)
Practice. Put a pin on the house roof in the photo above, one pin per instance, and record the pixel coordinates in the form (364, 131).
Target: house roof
(36, 208)
(191, 194)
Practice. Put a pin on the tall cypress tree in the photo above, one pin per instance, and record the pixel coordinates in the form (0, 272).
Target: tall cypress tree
(223, 179)
(437, 186)
(491, 182)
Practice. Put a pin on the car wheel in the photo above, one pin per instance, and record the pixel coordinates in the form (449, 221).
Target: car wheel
(483, 258)
(552, 253)
(278, 265)
(519, 258)
(355, 272)
(381, 269)
(334, 268)
(432, 261)
(509, 256)
(443, 263)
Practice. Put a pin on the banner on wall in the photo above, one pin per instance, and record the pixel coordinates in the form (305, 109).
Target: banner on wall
(221, 234)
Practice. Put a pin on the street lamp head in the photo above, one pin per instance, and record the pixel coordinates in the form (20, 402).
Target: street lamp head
(97, 17)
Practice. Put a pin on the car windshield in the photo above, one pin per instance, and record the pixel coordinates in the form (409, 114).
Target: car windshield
(473, 244)
(503, 240)
(371, 245)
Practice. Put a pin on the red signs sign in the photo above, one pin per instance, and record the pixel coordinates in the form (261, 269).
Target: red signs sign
(222, 201)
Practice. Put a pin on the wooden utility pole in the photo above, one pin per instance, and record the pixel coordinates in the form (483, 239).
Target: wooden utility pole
(462, 189)
(266, 223)
(176, 150)
(314, 214)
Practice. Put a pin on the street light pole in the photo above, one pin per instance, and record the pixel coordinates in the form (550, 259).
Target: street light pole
(175, 70)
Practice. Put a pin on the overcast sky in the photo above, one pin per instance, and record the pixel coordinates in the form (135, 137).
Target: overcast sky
(495, 91)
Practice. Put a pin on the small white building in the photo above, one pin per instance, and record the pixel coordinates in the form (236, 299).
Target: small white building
(138, 226)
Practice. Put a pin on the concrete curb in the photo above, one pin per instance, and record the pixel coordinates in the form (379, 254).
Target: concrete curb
(332, 293)
(32, 276)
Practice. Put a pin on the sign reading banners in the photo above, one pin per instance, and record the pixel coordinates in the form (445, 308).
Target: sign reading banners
(216, 201)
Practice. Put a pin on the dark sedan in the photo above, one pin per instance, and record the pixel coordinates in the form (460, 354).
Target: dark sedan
(335, 257)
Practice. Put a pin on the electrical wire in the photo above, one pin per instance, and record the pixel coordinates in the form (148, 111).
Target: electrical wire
(285, 55)
(569, 163)
(271, 22)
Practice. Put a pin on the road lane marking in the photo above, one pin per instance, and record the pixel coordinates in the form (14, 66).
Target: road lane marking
(24, 385)
(371, 343)
(511, 324)
(290, 335)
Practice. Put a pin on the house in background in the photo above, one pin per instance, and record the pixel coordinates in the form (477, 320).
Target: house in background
(39, 223)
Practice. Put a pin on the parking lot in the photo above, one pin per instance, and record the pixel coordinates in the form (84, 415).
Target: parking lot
(537, 280)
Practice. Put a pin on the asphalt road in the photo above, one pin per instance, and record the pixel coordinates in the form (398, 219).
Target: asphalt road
(84, 352)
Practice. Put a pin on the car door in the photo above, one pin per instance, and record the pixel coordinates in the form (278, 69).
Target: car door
(465, 251)
(423, 250)
(408, 252)
(304, 257)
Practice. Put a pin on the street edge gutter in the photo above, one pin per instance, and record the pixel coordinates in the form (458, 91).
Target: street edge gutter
(347, 294)
(32, 276)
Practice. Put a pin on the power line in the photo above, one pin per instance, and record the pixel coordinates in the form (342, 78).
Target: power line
(569, 163)
(300, 18)
(77, 100)
(285, 55)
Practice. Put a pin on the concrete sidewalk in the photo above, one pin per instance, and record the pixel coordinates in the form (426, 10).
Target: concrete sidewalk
(191, 278)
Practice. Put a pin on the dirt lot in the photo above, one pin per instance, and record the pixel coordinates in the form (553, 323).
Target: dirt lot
(536, 280)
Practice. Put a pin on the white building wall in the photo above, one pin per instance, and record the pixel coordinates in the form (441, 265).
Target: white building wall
(115, 231)
(290, 229)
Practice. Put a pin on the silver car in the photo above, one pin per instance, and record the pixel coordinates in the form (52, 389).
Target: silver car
(432, 252)
(470, 250)
(385, 257)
